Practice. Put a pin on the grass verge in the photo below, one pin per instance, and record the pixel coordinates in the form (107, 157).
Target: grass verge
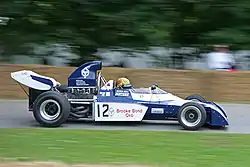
(170, 149)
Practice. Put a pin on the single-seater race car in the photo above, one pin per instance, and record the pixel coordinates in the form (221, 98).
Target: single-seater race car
(88, 95)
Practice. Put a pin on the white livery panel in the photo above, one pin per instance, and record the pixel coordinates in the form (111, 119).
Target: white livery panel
(24, 77)
(154, 97)
(119, 111)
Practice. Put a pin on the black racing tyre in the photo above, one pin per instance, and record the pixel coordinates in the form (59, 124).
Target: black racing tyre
(196, 97)
(51, 109)
(192, 116)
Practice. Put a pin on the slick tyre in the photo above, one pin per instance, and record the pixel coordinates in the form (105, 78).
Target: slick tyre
(196, 97)
(192, 116)
(51, 109)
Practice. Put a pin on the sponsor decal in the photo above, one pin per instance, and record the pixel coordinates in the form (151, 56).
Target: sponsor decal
(81, 82)
(157, 111)
(129, 112)
(121, 93)
(85, 72)
(119, 111)
(105, 93)
(105, 110)
(111, 112)
(24, 73)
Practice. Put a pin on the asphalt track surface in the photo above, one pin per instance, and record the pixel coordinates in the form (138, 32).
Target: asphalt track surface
(14, 114)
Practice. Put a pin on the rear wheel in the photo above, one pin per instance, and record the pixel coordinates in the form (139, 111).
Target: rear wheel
(51, 109)
(192, 116)
(196, 97)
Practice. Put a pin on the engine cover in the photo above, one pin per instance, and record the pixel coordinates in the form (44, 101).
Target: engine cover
(85, 75)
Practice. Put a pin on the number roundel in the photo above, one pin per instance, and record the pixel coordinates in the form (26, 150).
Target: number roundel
(106, 109)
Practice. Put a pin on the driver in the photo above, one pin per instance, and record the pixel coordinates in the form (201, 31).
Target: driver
(122, 83)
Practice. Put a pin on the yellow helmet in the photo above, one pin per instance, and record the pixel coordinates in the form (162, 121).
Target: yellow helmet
(121, 82)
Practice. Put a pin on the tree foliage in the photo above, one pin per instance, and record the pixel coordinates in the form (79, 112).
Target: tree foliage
(131, 23)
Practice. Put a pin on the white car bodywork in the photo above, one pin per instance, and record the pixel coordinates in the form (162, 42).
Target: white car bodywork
(106, 111)
(25, 77)
(115, 111)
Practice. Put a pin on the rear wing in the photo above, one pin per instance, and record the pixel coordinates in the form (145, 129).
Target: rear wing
(34, 80)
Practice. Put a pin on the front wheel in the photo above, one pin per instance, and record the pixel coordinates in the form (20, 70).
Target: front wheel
(192, 116)
(196, 97)
(51, 109)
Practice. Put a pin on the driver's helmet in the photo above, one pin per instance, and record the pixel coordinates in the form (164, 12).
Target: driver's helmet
(122, 82)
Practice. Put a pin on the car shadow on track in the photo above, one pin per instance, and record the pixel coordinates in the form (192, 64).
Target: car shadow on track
(120, 123)
(144, 125)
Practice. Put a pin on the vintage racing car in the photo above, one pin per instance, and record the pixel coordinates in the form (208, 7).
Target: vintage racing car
(88, 95)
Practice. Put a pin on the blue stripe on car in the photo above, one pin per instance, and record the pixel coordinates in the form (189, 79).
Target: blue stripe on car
(42, 80)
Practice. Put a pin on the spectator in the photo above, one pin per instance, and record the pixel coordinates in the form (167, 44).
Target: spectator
(220, 59)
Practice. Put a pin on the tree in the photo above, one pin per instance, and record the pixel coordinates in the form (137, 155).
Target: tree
(89, 25)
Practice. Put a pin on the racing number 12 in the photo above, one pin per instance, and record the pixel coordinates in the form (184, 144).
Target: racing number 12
(105, 110)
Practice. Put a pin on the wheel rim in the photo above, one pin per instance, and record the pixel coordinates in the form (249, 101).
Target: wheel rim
(50, 110)
(191, 116)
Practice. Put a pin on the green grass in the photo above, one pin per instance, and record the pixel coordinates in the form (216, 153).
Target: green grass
(172, 149)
